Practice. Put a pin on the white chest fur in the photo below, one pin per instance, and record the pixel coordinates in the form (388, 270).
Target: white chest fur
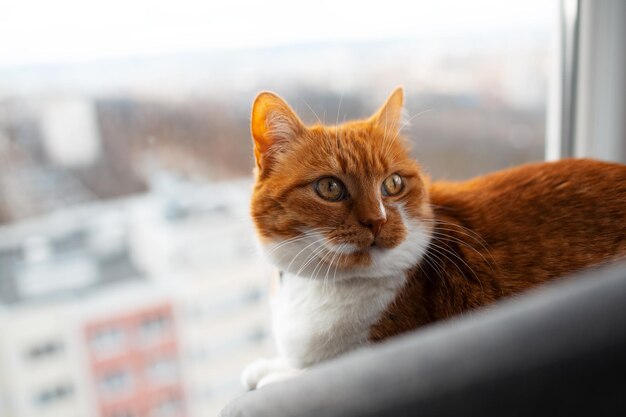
(315, 320)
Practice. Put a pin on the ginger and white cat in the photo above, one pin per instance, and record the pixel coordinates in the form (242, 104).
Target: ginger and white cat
(369, 247)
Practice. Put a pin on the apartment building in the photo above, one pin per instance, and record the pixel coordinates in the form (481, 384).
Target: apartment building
(199, 241)
(131, 352)
(68, 285)
(144, 307)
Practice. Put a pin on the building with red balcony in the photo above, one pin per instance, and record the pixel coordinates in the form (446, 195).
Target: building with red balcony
(134, 361)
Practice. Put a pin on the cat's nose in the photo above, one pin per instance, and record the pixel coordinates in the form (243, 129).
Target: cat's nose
(372, 214)
(375, 224)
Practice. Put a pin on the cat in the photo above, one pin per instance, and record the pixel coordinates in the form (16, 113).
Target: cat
(370, 248)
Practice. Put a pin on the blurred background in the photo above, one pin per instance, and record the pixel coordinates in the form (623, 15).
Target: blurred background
(130, 285)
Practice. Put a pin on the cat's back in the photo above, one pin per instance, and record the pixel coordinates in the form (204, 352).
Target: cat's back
(568, 178)
(561, 189)
(543, 219)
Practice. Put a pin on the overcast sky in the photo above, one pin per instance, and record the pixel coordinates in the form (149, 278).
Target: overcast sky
(61, 31)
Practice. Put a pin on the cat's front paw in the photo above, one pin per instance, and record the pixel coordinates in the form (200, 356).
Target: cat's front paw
(254, 372)
(266, 371)
(279, 375)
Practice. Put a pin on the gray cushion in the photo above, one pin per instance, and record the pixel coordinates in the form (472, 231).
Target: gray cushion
(558, 350)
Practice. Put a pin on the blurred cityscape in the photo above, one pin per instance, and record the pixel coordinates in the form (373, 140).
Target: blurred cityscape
(129, 281)
(138, 306)
(475, 105)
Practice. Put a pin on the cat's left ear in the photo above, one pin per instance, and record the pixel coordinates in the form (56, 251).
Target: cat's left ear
(390, 116)
(274, 124)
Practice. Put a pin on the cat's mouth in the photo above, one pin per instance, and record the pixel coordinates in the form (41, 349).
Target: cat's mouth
(346, 261)
(365, 245)
(348, 256)
(314, 254)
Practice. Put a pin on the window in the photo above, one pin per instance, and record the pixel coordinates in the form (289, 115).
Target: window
(167, 407)
(154, 328)
(70, 242)
(53, 394)
(476, 85)
(108, 341)
(126, 158)
(45, 349)
(116, 383)
(162, 370)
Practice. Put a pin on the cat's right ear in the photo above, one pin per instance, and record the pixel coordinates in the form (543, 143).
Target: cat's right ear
(390, 116)
(273, 125)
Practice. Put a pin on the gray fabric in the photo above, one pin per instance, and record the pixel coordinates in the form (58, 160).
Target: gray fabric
(558, 350)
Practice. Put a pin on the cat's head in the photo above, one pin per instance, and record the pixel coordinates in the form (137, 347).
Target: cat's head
(337, 202)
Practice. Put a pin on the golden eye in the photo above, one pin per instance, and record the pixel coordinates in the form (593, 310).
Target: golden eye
(330, 189)
(392, 185)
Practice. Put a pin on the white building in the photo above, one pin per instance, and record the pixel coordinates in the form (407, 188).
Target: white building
(182, 257)
(70, 117)
(38, 363)
(56, 275)
(201, 242)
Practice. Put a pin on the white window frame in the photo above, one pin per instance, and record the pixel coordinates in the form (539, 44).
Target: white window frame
(587, 100)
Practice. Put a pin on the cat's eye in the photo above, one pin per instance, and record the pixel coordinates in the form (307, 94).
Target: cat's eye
(392, 185)
(330, 188)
